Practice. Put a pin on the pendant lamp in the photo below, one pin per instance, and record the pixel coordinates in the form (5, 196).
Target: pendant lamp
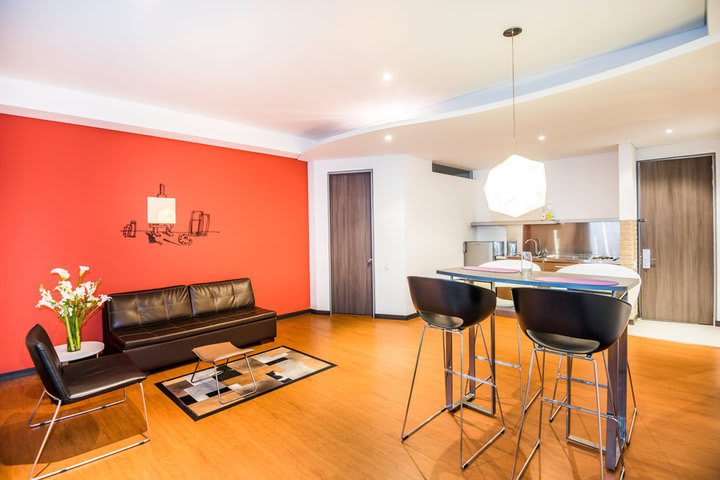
(516, 186)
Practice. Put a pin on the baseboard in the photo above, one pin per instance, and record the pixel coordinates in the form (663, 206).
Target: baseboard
(16, 374)
(384, 316)
(387, 316)
(293, 314)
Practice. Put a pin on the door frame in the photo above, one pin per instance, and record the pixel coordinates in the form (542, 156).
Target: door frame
(714, 217)
(372, 235)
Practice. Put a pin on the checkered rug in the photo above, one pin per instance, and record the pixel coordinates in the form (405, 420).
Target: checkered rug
(273, 369)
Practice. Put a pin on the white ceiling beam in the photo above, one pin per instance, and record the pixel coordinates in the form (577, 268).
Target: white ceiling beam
(712, 13)
(36, 100)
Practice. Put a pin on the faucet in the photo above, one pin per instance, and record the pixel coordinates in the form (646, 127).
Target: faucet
(536, 242)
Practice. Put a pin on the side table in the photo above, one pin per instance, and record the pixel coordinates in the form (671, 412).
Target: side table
(87, 349)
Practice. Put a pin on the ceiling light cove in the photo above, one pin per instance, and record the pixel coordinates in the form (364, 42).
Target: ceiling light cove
(668, 130)
(387, 76)
(388, 137)
(541, 138)
(380, 114)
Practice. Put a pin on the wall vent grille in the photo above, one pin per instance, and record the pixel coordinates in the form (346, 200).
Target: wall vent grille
(453, 171)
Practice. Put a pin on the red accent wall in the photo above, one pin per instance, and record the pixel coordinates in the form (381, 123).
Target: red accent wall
(68, 190)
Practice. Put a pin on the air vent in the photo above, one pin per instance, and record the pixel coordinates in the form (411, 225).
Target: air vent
(453, 171)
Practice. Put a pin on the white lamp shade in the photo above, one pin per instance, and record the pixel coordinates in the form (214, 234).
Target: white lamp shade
(516, 186)
(161, 210)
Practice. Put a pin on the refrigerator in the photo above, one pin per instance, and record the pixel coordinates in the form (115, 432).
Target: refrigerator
(479, 252)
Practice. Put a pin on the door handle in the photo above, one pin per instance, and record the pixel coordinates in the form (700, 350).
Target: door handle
(646, 259)
(370, 261)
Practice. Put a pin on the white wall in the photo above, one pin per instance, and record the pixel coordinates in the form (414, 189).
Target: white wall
(439, 211)
(699, 147)
(627, 181)
(577, 188)
(420, 220)
(388, 235)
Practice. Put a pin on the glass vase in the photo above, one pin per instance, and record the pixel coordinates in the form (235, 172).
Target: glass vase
(73, 335)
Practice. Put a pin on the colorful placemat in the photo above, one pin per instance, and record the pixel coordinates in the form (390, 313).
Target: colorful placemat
(578, 281)
(480, 268)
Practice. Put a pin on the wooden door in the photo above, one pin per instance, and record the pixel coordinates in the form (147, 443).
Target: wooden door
(351, 265)
(677, 224)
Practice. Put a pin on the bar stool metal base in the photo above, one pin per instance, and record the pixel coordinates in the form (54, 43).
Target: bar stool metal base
(564, 404)
(463, 403)
(517, 366)
(570, 378)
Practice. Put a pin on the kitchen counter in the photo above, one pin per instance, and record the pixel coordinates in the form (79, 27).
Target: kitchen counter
(554, 262)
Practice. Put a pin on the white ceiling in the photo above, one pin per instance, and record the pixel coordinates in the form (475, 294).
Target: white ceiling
(681, 92)
(312, 68)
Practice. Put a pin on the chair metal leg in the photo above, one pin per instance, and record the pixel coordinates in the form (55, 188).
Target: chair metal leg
(76, 414)
(465, 464)
(192, 378)
(542, 384)
(599, 418)
(635, 409)
(403, 435)
(553, 413)
(54, 420)
(533, 359)
(45, 439)
(519, 352)
(538, 392)
(252, 375)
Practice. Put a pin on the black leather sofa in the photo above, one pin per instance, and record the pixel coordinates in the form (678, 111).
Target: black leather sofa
(158, 328)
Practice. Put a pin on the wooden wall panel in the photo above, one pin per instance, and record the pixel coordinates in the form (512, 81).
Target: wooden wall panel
(676, 203)
(351, 269)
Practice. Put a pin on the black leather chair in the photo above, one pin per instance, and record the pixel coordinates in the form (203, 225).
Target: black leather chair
(452, 307)
(76, 382)
(575, 326)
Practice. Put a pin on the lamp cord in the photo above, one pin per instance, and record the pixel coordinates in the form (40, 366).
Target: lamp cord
(512, 43)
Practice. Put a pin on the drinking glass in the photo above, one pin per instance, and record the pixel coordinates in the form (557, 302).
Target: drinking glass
(526, 264)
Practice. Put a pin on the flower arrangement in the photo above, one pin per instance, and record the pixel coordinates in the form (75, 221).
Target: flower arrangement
(76, 305)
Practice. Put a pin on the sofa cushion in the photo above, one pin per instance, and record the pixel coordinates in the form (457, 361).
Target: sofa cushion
(216, 297)
(147, 307)
(129, 338)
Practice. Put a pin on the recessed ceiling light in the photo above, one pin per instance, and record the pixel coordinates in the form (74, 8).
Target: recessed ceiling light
(541, 138)
(668, 130)
(387, 76)
(388, 137)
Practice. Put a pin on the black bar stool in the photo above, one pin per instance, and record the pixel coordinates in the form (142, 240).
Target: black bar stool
(452, 307)
(574, 326)
(605, 270)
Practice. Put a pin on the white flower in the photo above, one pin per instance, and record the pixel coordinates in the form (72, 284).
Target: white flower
(104, 298)
(65, 289)
(83, 269)
(90, 287)
(79, 292)
(64, 274)
(44, 302)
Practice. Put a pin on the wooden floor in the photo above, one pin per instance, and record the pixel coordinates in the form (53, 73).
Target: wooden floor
(345, 423)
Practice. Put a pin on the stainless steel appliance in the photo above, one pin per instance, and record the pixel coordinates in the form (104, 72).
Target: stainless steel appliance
(478, 252)
(598, 241)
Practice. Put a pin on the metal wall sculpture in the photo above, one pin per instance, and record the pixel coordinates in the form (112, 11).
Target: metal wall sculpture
(163, 233)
